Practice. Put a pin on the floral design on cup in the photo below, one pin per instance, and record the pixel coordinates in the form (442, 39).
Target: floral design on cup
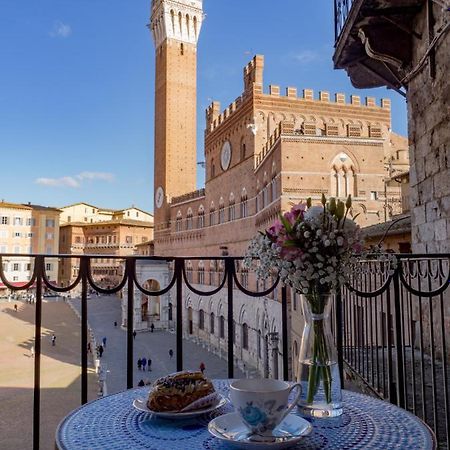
(253, 415)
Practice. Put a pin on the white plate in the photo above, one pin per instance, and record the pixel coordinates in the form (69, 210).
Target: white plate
(229, 428)
(141, 405)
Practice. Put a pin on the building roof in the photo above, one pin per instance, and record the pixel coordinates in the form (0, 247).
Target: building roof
(27, 206)
(126, 222)
(105, 210)
(398, 225)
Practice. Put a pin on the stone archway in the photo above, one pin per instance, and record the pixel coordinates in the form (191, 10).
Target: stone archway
(151, 306)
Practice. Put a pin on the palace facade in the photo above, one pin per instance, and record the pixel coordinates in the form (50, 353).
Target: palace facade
(264, 152)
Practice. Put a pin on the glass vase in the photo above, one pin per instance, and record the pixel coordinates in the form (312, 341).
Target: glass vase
(318, 369)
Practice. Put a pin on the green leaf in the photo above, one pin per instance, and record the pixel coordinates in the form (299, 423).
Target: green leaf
(285, 223)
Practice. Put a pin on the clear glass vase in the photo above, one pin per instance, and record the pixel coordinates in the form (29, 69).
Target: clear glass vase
(318, 370)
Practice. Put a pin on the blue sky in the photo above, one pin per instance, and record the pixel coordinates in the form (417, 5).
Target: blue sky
(77, 77)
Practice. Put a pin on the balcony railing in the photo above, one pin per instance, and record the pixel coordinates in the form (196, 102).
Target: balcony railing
(395, 331)
(390, 325)
(341, 11)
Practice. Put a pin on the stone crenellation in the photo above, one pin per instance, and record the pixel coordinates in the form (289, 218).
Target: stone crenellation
(214, 117)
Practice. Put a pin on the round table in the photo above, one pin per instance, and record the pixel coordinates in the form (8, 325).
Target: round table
(112, 423)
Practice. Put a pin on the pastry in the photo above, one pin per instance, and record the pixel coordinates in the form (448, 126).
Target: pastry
(176, 392)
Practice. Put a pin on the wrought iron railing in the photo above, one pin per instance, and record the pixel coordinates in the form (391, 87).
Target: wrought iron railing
(395, 330)
(341, 11)
(40, 282)
(390, 325)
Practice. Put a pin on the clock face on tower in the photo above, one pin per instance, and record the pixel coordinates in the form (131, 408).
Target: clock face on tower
(159, 197)
(225, 155)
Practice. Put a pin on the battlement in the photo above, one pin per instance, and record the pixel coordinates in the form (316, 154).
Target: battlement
(311, 130)
(253, 84)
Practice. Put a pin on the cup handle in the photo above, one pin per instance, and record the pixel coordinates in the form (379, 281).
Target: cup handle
(296, 399)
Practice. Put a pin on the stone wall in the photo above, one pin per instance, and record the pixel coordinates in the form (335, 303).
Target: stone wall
(429, 134)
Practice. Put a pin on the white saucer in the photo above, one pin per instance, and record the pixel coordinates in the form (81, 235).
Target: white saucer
(229, 428)
(141, 405)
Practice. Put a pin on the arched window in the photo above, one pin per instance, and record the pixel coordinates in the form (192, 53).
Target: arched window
(213, 169)
(232, 208)
(179, 221)
(244, 206)
(244, 277)
(212, 214)
(195, 26)
(295, 348)
(201, 319)
(201, 273)
(243, 149)
(189, 271)
(201, 217)
(343, 176)
(222, 327)
(211, 323)
(189, 220)
(212, 272)
(245, 336)
(221, 211)
(172, 18)
(180, 23)
(188, 24)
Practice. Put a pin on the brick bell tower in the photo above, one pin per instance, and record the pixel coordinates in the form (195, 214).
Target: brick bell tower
(175, 27)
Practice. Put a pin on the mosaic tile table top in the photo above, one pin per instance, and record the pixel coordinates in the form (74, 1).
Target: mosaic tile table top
(112, 423)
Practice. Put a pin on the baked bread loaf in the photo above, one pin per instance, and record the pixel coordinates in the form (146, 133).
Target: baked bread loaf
(176, 392)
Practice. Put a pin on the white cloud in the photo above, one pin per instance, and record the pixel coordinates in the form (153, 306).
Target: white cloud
(61, 30)
(75, 181)
(306, 56)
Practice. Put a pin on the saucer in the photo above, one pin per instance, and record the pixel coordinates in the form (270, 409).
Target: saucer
(229, 428)
(141, 405)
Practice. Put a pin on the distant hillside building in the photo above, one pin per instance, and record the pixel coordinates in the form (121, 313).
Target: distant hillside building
(27, 229)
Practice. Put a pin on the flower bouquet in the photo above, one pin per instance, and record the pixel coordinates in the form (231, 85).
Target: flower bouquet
(313, 248)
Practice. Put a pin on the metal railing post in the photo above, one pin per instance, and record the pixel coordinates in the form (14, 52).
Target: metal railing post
(284, 332)
(229, 268)
(339, 338)
(84, 268)
(400, 368)
(179, 299)
(39, 261)
(129, 267)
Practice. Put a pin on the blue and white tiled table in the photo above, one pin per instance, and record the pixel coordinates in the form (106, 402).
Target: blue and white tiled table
(111, 423)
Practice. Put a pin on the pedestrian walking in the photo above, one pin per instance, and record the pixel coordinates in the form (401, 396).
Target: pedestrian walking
(141, 383)
(104, 342)
(139, 363)
(53, 339)
(149, 364)
(89, 348)
(202, 367)
(144, 363)
(170, 353)
(32, 351)
(115, 324)
(134, 334)
(15, 307)
(152, 327)
(100, 350)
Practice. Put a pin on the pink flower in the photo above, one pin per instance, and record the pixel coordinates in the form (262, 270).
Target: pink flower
(296, 211)
(275, 229)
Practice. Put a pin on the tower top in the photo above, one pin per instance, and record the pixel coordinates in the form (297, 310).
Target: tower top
(180, 20)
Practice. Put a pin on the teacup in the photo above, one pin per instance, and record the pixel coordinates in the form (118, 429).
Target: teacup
(262, 403)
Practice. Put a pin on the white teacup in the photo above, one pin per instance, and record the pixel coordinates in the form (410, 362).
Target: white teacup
(262, 403)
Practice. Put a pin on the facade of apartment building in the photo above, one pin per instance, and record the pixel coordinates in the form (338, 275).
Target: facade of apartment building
(27, 229)
(86, 213)
(101, 234)
(264, 152)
